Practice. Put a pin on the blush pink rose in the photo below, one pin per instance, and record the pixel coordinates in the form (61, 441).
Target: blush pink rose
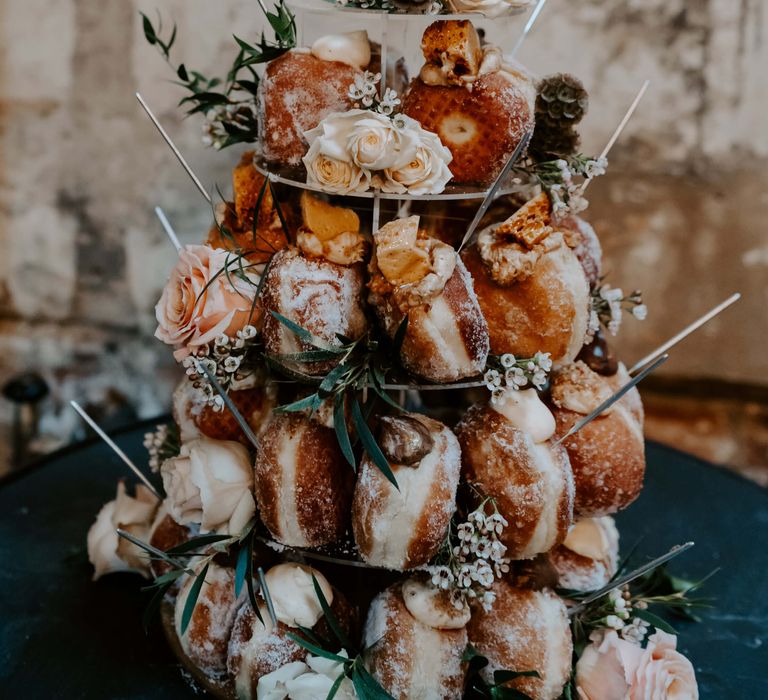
(200, 302)
(612, 668)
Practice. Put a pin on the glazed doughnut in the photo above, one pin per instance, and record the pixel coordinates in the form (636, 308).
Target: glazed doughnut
(411, 657)
(403, 529)
(531, 286)
(525, 630)
(322, 297)
(411, 274)
(303, 482)
(480, 107)
(257, 648)
(508, 454)
(207, 635)
(589, 557)
(608, 454)
(196, 418)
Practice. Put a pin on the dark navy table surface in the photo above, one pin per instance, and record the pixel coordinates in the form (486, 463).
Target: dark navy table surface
(65, 636)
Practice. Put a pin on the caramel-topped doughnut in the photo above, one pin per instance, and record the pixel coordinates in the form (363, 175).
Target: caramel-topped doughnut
(480, 107)
(530, 285)
(422, 278)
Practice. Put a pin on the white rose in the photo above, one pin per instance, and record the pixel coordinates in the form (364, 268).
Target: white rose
(318, 682)
(489, 8)
(427, 170)
(107, 551)
(210, 483)
(375, 144)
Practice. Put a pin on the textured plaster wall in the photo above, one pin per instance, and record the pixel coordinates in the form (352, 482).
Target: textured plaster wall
(682, 212)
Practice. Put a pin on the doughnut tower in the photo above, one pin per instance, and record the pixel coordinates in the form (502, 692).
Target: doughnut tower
(367, 474)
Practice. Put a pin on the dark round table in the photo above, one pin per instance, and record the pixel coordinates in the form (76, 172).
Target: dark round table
(65, 636)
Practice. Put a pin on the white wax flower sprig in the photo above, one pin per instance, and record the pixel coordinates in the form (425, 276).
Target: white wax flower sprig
(472, 558)
(370, 145)
(607, 306)
(515, 373)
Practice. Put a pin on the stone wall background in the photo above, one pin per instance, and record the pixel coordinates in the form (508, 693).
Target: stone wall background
(682, 213)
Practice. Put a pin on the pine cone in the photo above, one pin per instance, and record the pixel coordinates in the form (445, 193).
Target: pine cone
(551, 142)
(562, 100)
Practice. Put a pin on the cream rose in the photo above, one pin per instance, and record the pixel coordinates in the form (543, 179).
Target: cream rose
(375, 144)
(611, 668)
(107, 551)
(426, 172)
(306, 681)
(489, 8)
(328, 161)
(210, 483)
(200, 302)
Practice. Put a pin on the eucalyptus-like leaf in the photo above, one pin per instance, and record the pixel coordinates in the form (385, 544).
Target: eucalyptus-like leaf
(342, 432)
(241, 568)
(316, 650)
(330, 618)
(154, 604)
(294, 327)
(191, 601)
(311, 403)
(402, 329)
(336, 685)
(196, 543)
(370, 445)
(328, 384)
(366, 686)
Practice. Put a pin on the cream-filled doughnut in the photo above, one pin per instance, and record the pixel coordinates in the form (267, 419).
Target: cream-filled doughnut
(402, 529)
(508, 454)
(589, 556)
(303, 484)
(206, 638)
(608, 454)
(525, 630)
(532, 289)
(257, 648)
(422, 278)
(411, 657)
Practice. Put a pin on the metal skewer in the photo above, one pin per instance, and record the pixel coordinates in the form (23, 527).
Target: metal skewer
(613, 398)
(163, 556)
(175, 150)
(115, 448)
(631, 576)
(168, 228)
(627, 116)
(675, 339)
(488, 199)
(531, 20)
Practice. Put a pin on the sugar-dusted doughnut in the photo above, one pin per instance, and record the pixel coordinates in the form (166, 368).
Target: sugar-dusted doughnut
(416, 643)
(303, 483)
(608, 454)
(508, 454)
(403, 529)
(525, 630)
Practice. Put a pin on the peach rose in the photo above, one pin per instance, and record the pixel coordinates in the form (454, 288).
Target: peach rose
(663, 672)
(210, 483)
(200, 302)
(612, 668)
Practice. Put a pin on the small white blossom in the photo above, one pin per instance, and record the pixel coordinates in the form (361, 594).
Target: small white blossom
(507, 360)
(614, 622)
(640, 312)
